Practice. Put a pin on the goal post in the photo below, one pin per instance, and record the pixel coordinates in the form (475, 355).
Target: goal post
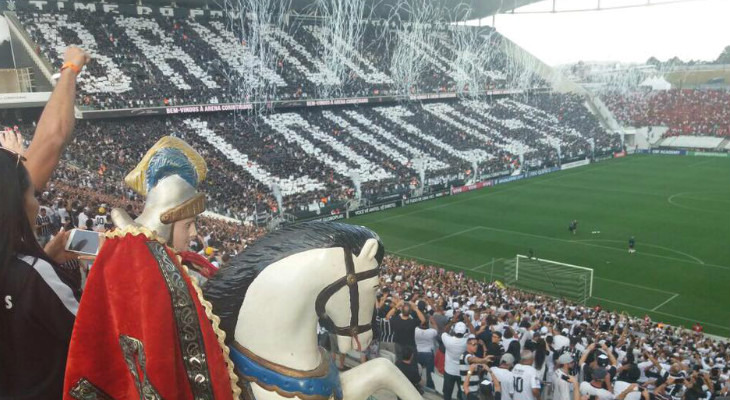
(550, 277)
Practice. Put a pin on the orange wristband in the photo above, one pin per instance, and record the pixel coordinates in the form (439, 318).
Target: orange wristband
(73, 67)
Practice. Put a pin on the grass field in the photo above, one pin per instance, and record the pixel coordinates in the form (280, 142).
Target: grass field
(678, 208)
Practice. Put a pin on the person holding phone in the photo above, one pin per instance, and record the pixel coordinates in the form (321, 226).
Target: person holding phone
(38, 303)
(563, 382)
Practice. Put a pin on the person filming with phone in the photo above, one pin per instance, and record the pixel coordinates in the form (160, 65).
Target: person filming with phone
(38, 302)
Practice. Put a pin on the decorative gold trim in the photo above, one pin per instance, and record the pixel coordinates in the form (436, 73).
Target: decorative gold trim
(136, 360)
(137, 178)
(220, 334)
(281, 392)
(85, 390)
(190, 208)
(135, 230)
(189, 330)
(322, 369)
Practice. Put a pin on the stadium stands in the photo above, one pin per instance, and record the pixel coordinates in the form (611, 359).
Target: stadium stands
(153, 61)
(684, 111)
(314, 155)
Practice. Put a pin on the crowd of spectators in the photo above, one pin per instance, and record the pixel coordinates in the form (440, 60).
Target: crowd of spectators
(389, 139)
(684, 111)
(69, 206)
(142, 61)
(454, 323)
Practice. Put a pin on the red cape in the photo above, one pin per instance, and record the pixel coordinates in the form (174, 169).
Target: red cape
(141, 328)
(198, 263)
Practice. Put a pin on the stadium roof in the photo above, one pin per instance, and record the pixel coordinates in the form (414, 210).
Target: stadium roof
(450, 9)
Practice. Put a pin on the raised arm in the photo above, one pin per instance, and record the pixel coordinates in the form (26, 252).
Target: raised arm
(393, 310)
(420, 315)
(56, 124)
(585, 354)
(609, 353)
(626, 391)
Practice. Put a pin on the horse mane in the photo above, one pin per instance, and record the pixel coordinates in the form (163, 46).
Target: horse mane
(227, 288)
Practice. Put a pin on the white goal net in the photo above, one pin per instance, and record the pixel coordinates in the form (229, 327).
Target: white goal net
(550, 277)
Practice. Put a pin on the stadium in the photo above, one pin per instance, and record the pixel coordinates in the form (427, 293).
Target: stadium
(571, 210)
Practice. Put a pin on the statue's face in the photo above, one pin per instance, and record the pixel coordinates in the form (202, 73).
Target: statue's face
(182, 233)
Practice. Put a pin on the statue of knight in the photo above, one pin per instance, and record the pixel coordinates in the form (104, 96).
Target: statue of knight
(143, 327)
(143, 330)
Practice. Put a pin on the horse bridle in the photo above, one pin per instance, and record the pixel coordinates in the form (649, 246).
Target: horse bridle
(350, 280)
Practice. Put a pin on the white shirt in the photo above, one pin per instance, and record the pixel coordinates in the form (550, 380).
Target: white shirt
(602, 394)
(506, 381)
(454, 348)
(620, 386)
(563, 390)
(506, 343)
(99, 222)
(82, 220)
(425, 339)
(525, 380)
(560, 341)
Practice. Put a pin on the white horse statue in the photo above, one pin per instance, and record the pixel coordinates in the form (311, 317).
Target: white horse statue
(271, 297)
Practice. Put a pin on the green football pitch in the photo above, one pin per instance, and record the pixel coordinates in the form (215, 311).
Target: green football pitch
(678, 209)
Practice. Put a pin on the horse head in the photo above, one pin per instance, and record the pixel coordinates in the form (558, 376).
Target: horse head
(271, 296)
(345, 306)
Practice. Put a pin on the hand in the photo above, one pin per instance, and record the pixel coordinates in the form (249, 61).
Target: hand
(572, 380)
(12, 141)
(55, 249)
(77, 56)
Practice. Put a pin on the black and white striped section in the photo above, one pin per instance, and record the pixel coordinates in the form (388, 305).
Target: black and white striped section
(51, 278)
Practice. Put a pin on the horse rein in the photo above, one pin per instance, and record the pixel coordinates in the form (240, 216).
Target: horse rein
(351, 280)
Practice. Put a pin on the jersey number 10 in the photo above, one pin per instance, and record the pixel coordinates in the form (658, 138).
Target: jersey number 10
(518, 384)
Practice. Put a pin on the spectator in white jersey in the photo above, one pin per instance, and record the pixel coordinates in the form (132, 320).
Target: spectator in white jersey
(505, 376)
(599, 387)
(564, 384)
(100, 220)
(526, 382)
(426, 347)
(455, 346)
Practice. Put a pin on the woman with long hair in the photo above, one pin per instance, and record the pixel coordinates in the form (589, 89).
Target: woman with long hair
(37, 303)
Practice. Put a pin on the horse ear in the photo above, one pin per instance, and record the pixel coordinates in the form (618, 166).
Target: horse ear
(369, 249)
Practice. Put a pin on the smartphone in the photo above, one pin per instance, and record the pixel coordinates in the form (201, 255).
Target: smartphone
(83, 242)
(565, 378)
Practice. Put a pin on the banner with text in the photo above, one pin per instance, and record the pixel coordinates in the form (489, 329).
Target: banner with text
(575, 164)
(473, 186)
(431, 196)
(375, 208)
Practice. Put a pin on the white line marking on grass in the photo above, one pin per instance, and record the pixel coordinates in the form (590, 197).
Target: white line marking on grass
(496, 260)
(644, 244)
(634, 285)
(461, 267)
(661, 313)
(671, 201)
(710, 159)
(437, 239)
(605, 247)
(670, 299)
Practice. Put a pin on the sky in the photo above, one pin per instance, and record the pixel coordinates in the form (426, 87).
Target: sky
(690, 29)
